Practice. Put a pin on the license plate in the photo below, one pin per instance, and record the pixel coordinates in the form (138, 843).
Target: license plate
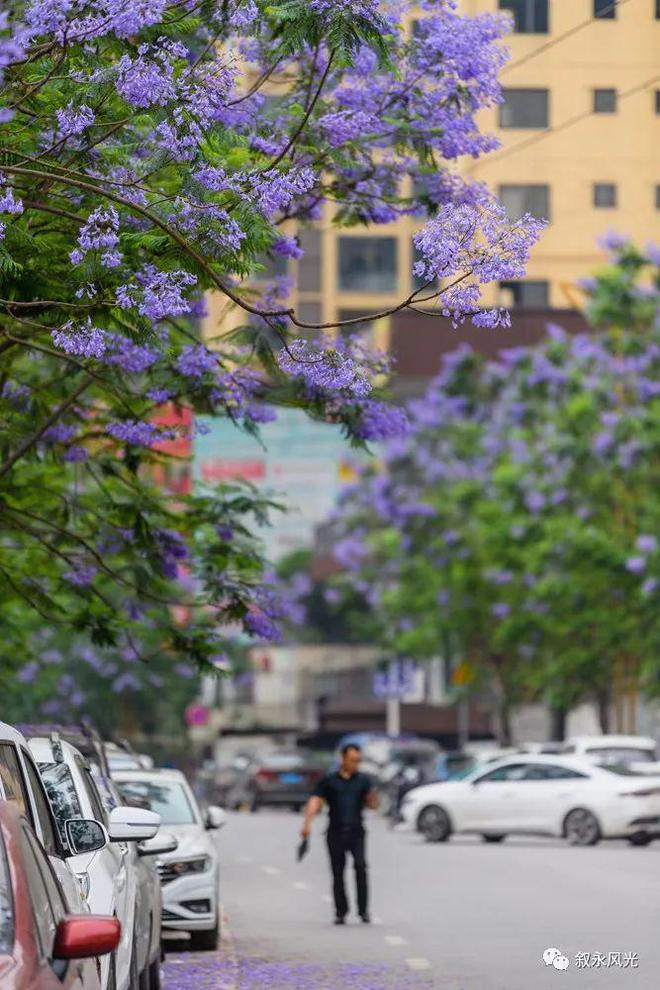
(291, 778)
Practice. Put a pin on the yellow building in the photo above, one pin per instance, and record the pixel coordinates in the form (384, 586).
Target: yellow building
(580, 136)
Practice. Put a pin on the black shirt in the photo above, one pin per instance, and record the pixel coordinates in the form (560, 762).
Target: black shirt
(346, 797)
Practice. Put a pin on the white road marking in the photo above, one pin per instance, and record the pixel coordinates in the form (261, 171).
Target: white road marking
(272, 871)
(395, 940)
(418, 964)
(301, 885)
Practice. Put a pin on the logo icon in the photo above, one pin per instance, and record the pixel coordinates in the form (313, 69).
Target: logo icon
(555, 957)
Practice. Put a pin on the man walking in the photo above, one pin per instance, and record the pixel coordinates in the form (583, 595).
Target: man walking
(347, 792)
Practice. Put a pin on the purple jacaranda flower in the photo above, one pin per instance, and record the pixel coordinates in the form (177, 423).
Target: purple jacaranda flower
(502, 577)
(225, 533)
(327, 368)
(535, 501)
(73, 120)
(75, 454)
(51, 656)
(157, 294)
(260, 625)
(649, 586)
(59, 433)
(195, 361)
(652, 252)
(587, 284)
(28, 672)
(288, 246)
(646, 543)
(80, 339)
(99, 233)
(159, 395)
(137, 433)
(381, 421)
(500, 610)
(635, 565)
(81, 574)
(128, 355)
(126, 682)
(613, 241)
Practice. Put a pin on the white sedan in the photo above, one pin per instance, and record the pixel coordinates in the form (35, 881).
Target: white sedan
(540, 795)
(190, 875)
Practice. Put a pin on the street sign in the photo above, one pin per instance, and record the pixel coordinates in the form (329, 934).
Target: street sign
(397, 681)
(462, 674)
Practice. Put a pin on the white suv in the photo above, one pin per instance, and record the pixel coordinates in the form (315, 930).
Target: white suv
(190, 875)
(109, 876)
(20, 782)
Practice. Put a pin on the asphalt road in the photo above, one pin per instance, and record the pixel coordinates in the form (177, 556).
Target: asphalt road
(458, 916)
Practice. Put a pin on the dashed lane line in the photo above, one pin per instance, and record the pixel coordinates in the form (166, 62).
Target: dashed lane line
(395, 940)
(418, 964)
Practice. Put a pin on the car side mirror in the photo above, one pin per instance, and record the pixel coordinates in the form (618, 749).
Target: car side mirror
(86, 936)
(132, 824)
(215, 817)
(84, 835)
(161, 844)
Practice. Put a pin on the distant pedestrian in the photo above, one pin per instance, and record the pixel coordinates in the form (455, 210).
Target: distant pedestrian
(347, 792)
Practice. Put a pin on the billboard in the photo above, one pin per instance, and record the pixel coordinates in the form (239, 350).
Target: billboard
(300, 462)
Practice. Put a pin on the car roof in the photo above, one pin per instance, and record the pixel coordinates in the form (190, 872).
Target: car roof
(603, 742)
(9, 734)
(41, 748)
(573, 762)
(165, 773)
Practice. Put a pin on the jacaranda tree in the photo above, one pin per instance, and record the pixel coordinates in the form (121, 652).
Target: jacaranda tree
(152, 152)
(518, 522)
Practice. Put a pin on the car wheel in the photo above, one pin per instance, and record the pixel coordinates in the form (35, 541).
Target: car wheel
(493, 838)
(640, 839)
(581, 828)
(205, 941)
(434, 824)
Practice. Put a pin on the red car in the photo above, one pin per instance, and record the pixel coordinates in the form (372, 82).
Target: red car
(41, 946)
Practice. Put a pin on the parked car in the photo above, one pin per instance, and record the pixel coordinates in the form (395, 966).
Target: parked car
(541, 795)
(111, 876)
(42, 945)
(609, 749)
(20, 782)
(281, 779)
(189, 876)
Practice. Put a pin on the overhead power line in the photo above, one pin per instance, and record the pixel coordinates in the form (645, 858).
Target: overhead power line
(550, 131)
(560, 37)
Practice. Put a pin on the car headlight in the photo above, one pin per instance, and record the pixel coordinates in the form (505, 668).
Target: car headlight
(83, 880)
(186, 866)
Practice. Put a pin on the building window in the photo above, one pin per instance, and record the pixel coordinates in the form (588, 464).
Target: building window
(657, 197)
(524, 108)
(367, 264)
(657, 101)
(604, 195)
(605, 9)
(520, 199)
(657, 10)
(525, 295)
(529, 16)
(274, 265)
(604, 101)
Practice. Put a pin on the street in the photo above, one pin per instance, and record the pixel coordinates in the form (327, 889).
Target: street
(457, 916)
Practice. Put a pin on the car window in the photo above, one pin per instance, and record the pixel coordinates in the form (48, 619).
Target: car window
(61, 791)
(511, 771)
(42, 808)
(549, 771)
(6, 905)
(169, 800)
(44, 917)
(91, 790)
(11, 776)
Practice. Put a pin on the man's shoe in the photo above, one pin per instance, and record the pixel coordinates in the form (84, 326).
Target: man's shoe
(340, 920)
(365, 919)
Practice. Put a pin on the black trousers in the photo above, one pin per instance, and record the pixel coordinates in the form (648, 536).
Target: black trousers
(342, 841)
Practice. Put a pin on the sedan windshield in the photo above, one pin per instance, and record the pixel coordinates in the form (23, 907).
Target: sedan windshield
(168, 800)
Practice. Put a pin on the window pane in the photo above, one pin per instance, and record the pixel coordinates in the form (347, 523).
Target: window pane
(61, 793)
(308, 311)
(657, 101)
(529, 16)
(657, 197)
(605, 8)
(525, 295)
(12, 779)
(367, 264)
(604, 194)
(42, 807)
(513, 771)
(309, 266)
(91, 789)
(604, 101)
(534, 199)
(524, 108)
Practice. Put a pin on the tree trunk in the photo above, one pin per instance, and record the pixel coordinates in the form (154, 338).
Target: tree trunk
(558, 723)
(504, 716)
(603, 705)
